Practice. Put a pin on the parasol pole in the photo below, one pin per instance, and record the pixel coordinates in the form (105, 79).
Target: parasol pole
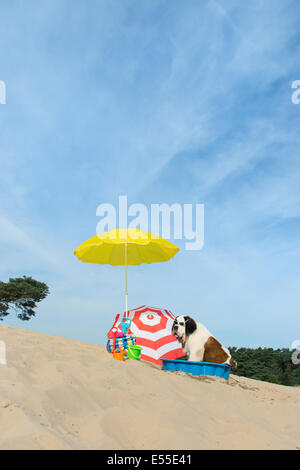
(126, 290)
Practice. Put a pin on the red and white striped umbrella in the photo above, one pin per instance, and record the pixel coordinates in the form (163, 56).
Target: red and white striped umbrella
(153, 330)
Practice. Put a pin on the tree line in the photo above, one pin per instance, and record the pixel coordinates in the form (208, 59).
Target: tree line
(270, 365)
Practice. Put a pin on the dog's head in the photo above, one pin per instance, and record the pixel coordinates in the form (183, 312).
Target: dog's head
(183, 327)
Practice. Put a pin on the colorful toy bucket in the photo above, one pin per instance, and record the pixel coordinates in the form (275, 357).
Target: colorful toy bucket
(134, 352)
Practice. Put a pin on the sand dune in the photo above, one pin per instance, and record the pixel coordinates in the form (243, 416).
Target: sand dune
(63, 394)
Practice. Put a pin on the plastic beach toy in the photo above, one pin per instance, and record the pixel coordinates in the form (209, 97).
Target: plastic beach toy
(125, 324)
(134, 352)
(118, 334)
(119, 354)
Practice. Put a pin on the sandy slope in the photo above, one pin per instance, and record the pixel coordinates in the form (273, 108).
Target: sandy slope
(63, 394)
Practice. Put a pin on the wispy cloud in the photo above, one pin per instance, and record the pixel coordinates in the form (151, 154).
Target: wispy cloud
(164, 102)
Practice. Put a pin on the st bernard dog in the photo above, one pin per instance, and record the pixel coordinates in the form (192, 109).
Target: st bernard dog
(198, 343)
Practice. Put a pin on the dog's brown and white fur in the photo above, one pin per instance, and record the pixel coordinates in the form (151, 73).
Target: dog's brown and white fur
(198, 343)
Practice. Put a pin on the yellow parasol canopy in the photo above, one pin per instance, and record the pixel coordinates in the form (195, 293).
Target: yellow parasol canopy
(123, 247)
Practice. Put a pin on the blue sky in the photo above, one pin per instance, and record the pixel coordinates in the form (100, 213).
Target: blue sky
(163, 101)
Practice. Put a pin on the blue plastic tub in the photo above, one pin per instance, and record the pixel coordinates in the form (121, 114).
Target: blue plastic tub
(197, 368)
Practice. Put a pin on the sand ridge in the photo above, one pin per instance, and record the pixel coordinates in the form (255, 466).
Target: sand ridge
(57, 393)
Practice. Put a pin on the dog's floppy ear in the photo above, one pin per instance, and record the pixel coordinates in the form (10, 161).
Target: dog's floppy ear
(190, 325)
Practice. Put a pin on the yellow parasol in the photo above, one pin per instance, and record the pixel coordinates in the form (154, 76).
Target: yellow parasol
(123, 247)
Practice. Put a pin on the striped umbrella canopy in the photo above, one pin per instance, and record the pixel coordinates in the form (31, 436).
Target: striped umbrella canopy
(153, 330)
